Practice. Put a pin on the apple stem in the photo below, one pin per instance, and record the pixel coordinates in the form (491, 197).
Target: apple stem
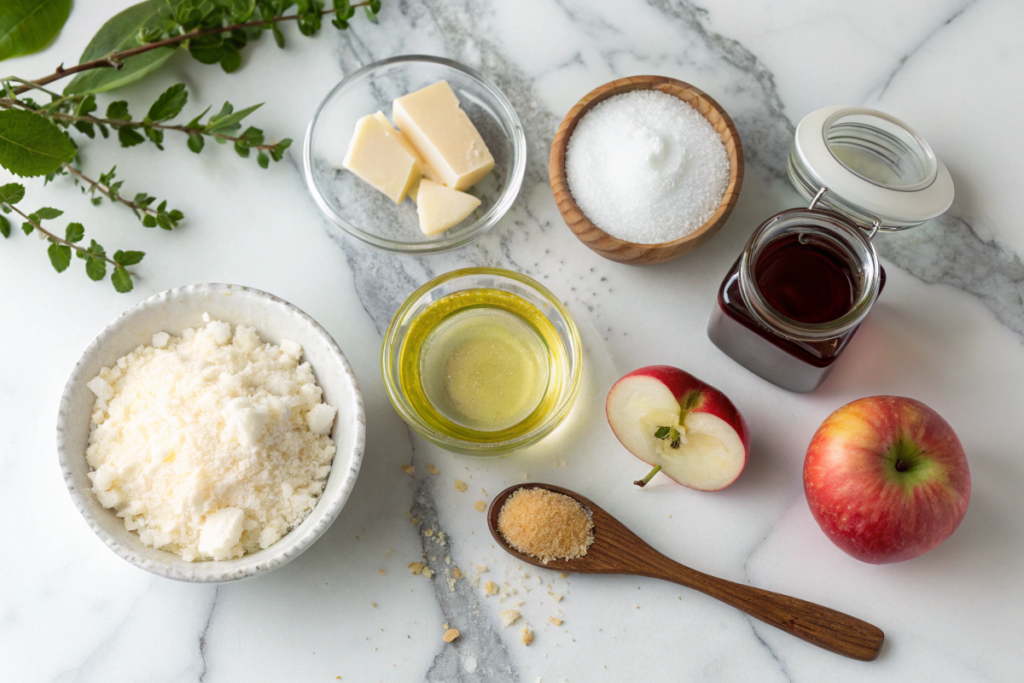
(643, 482)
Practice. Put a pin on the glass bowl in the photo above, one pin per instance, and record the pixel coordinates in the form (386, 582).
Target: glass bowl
(484, 443)
(367, 214)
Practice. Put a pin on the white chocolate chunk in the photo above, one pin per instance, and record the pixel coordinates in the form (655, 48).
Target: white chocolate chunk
(376, 156)
(443, 135)
(441, 208)
(407, 146)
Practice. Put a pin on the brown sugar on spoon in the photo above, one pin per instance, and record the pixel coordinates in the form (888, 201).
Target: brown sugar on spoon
(546, 525)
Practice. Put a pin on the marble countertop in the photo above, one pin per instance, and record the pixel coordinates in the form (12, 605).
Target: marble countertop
(948, 331)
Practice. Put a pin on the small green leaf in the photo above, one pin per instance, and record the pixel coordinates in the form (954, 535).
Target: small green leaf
(263, 160)
(370, 16)
(164, 221)
(278, 36)
(169, 104)
(60, 256)
(46, 213)
(661, 433)
(277, 151)
(195, 123)
(129, 137)
(118, 111)
(149, 221)
(12, 193)
(122, 32)
(96, 268)
(196, 142)
(5, 227)
(128, 258)
(74, 233)
(27, 228)
(221, 123)
(30, 145)
(231, 60)
(155, 135)
(86, 128)
(27, 26)
(241, 148)
(121, 280)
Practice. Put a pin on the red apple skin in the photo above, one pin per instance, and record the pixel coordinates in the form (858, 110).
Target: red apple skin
(712, 401)
(863, 504)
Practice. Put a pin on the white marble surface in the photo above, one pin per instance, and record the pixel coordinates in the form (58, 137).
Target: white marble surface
(947, 331)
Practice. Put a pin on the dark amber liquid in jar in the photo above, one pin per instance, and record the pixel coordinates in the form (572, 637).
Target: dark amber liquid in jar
(805, 279)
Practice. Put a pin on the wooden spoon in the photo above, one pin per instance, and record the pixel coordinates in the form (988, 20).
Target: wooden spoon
(617, 550)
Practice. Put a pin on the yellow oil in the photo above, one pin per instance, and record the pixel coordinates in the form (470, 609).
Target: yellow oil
(483, 365)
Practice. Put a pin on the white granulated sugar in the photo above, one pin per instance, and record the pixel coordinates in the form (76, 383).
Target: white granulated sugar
(210, 445)
(646, 167)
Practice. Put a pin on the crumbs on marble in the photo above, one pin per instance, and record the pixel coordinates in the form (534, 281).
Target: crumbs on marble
(408, 469)
(433, 470)
(450, 635)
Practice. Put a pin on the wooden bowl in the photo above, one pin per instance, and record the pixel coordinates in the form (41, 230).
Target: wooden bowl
(630, 252)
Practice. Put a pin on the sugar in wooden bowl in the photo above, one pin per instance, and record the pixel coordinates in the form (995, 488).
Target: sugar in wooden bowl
(645, 181)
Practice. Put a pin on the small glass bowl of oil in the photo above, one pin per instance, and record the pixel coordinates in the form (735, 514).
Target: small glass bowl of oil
(482, 361)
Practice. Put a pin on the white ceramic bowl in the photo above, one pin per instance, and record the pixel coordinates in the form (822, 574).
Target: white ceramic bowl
(174, 311)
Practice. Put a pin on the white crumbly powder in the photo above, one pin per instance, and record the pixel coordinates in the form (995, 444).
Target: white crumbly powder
(210, 445)
(646, 167)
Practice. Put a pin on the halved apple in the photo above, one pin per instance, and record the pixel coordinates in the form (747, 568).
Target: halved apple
(683, 427)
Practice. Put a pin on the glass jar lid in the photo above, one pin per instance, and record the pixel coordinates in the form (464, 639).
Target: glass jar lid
(874, 168)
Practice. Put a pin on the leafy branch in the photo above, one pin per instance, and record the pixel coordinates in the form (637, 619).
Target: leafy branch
(34, 136)
(308, 18)
(61, 248)
(140, 205)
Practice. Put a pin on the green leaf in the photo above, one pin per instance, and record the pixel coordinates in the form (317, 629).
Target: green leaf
(27, 228)
(169, 104)
(370, 16)
(156, 135)
(149, 221)
(12, 193)
(196, 142)
(231, 60)
(231, 119)
(122, 32)
(96, 268)
(74, 233)
(27, 26)
(661, 433)
(121, 280)
(278, 36)
(263, 160)
(46, 213)
(129, 137)
(60, 256)
(118, 111)
(5, 227)
(30, 145)
(128, 258)
(242, 150)
(277, 151)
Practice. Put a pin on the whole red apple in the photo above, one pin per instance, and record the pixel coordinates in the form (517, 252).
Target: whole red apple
(686, 428)
(886, 478)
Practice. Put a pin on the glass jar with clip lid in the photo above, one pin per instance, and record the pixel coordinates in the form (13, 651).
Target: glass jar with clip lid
(807, 278)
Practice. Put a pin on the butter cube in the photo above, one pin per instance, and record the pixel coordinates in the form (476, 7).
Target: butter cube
(407, 146)
(441, 207)
(376, 156)
(444, 136)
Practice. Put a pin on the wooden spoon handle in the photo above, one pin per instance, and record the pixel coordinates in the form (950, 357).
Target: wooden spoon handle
(824, 627)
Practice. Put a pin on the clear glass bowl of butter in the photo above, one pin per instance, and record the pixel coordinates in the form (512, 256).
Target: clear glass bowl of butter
(369, 215)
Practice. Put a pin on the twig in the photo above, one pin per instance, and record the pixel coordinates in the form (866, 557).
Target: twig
(115, 60)
(59, 240)
(105, 190)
